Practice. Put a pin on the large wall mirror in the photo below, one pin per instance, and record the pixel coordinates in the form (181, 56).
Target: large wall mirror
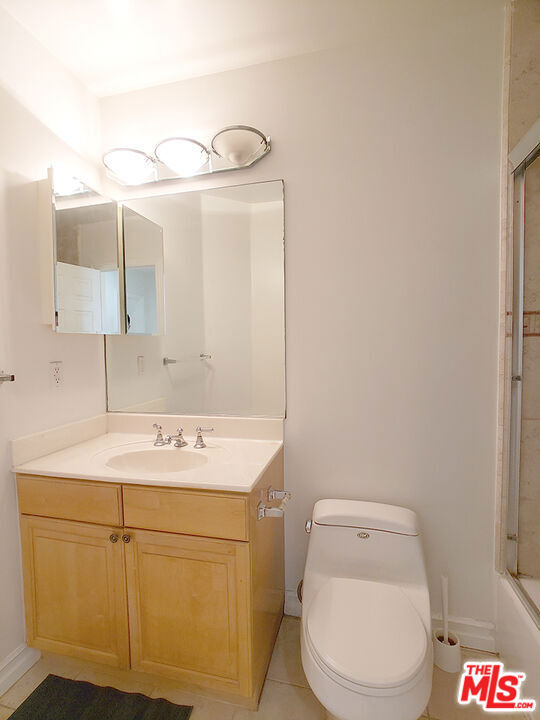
(217, 346)
(86, 260)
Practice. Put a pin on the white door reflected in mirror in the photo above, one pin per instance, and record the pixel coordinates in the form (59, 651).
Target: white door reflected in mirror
(86, 267)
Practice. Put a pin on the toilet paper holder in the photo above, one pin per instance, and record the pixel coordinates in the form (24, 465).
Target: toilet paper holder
(264, 510)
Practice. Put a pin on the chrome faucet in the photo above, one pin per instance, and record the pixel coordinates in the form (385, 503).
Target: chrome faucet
(160, 440)
(199, 442)
(179, 441)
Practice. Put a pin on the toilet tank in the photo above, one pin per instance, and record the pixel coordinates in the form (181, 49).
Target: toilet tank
(368, 541)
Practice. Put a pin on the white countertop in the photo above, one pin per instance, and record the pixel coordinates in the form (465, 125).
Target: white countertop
(232, 464)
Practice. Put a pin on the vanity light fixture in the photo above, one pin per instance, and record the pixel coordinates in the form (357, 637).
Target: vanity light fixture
(130, 166)
(239, 144)
(182, 155)
(233, 148)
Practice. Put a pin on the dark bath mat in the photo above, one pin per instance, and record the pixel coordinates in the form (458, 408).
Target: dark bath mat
(58, 698)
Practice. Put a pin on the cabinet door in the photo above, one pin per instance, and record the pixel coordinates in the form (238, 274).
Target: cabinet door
(75, 593)
(188, 608)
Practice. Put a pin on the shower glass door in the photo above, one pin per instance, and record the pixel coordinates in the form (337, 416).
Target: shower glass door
(523, 519)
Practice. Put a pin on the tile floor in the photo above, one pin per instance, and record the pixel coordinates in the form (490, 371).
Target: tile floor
(286, 694)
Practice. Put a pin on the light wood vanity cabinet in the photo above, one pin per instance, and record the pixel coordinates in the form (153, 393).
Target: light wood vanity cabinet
(75, 590)
(197, 588)
(177, 582)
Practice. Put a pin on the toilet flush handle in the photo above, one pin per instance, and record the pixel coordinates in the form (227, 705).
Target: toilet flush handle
(307, 526)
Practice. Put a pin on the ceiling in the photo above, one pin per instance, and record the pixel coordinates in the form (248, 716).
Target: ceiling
(115, 46)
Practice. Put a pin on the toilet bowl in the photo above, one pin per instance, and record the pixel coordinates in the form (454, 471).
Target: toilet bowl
(366, 628)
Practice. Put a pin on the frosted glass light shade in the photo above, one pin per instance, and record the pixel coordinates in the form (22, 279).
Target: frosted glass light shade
(239, 144)
(133, 167)
(182, 155)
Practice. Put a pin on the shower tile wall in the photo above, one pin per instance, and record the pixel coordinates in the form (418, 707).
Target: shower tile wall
(529, 486)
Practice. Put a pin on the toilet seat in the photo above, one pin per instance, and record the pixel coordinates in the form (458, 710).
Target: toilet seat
(366, 634)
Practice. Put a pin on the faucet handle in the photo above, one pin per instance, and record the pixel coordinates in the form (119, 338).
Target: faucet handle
(179, 440)
(160, 440)
(199, 442)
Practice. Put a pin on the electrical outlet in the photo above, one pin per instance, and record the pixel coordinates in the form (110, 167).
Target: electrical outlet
(56, 373)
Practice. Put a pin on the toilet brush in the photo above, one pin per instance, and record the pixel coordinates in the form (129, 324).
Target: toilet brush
(446, 644)
(444, 593)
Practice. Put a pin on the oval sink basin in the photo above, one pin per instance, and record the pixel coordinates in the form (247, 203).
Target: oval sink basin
(157, 461)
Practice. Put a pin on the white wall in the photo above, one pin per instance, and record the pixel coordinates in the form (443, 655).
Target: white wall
(390, 154)
(47, 89)
(26, 346)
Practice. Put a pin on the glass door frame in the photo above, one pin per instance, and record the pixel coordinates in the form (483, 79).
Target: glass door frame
(523, 155)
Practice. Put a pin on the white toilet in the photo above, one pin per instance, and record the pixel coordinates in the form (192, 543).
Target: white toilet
(366, 624)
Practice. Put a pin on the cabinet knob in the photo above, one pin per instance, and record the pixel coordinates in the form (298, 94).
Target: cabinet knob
(126, 538)
(113, 538)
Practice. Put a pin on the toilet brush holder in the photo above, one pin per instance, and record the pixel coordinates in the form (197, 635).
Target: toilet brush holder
(447, 655)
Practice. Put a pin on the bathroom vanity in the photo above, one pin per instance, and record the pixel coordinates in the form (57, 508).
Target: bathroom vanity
(136, 553)
(164, 572)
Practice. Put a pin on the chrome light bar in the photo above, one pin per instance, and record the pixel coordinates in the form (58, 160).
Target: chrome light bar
(232, 148)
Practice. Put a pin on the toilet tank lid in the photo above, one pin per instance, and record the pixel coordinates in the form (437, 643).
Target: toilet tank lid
(368, 515)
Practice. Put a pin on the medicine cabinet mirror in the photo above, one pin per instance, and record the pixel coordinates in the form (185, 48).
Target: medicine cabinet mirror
(218, 345)
(87, 295)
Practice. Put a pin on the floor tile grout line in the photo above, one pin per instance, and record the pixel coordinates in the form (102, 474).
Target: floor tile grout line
(286, 682)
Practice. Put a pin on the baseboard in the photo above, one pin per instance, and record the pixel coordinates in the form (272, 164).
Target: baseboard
(292, 604)
(472, 633)
(15, 665)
